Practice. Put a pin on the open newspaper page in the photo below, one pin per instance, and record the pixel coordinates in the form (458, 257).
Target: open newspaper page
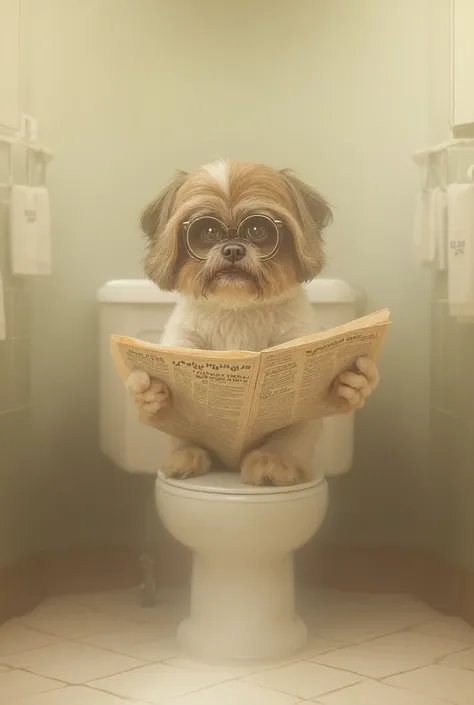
(211, 392)
(296, 379)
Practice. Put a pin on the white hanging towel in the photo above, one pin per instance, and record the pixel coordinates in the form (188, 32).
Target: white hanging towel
(430, 228)
(438, 225)
(461, 251)
(30, 230)
(425, 244)
(3, 326)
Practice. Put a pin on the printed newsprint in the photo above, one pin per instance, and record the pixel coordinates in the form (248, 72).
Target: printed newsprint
(226, 401)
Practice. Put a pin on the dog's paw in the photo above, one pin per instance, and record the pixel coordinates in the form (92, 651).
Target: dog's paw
(150, 395)
(187, 462)
(261, 467)
(355, 387)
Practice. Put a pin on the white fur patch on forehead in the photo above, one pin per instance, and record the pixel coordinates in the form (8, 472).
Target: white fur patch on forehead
(219, 170)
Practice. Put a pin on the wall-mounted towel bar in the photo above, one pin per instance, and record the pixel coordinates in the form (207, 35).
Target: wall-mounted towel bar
(422, 155)
(36, 149)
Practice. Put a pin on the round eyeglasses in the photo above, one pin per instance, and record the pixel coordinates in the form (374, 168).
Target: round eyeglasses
(204, 233)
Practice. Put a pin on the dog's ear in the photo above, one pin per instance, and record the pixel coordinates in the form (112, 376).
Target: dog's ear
(161, 229)
(312, 214)
(311, 207)
(156, 215)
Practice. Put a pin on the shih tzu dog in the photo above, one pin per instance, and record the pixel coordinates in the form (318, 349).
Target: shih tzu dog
(237, 240)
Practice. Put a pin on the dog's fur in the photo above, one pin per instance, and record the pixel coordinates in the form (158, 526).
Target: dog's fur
(249, 305)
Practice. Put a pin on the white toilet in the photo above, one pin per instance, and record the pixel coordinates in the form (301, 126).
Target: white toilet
(242, 537)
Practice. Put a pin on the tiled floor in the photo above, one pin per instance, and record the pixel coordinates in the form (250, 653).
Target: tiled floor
(104, 649)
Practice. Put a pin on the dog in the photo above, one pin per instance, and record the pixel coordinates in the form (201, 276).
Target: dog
(238, 240)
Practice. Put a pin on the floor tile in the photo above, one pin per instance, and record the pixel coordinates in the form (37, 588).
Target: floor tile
(393, 601)
(233, 668)
(158, 683)
(304, 679)
(67, 599)
(72, 621)
(124, 654)
(153, 650)
(109, 600)
(171, 605)
(328, 596)
(451, 684)
(373, 693)
(352, 623)
(317, 645)
(71, 662)
(14, 637)
(73, 695)
(18, 684)
(237, 693)
(392, 654)
(465, 659)
(141, 641)
(230, 669)
(388, 599)
(450, 628)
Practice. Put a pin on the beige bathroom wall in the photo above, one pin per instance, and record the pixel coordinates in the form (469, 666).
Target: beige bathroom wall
(452, 434)
(18, 520)
(451, 460)
(126, 92)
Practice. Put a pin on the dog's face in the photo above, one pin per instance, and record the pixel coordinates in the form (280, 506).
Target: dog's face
(235, 230)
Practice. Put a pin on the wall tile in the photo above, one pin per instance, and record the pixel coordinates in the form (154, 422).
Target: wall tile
(21, 373)
(462, 495)
(464, 376)
(4, 247)
(453, 386)
(9, 280)
(6, 375)
(3, 238)
(450, 477)
(18, 516)
(15, 437)
(438, 503)
(437, 356)
(440, 286)
(18, 312)
(18, 523)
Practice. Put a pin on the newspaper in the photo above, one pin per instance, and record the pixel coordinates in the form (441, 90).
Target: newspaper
(227, 401)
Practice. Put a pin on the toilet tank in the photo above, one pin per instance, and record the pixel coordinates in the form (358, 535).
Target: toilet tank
(137, 308)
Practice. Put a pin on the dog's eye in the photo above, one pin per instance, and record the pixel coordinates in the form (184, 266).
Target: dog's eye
(211, 233)
(257, 231)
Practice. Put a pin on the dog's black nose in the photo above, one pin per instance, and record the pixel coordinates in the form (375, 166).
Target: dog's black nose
(233, 251)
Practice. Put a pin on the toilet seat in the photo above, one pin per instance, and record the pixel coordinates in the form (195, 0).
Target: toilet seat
(228, 486)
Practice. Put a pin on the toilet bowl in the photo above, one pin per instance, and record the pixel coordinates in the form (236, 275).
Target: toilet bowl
(242, 540)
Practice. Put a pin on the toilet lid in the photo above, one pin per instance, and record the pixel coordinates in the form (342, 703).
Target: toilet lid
(231, 483)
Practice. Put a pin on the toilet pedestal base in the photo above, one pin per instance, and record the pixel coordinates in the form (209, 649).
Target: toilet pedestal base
(242, 608)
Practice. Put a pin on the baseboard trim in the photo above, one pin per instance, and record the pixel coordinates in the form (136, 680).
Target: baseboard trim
(442, 585)
(26, 583)
(447, 588)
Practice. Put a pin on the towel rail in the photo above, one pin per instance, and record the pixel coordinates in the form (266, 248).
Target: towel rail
(421, 156)
(38, 150)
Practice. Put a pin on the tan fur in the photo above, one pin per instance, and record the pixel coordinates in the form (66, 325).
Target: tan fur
(253, 188)
(263, 468)
(250, 278)
(149, 395)
(190, 461)
(252, 305)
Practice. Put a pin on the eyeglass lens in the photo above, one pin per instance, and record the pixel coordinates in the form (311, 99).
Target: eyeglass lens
(259, 230)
